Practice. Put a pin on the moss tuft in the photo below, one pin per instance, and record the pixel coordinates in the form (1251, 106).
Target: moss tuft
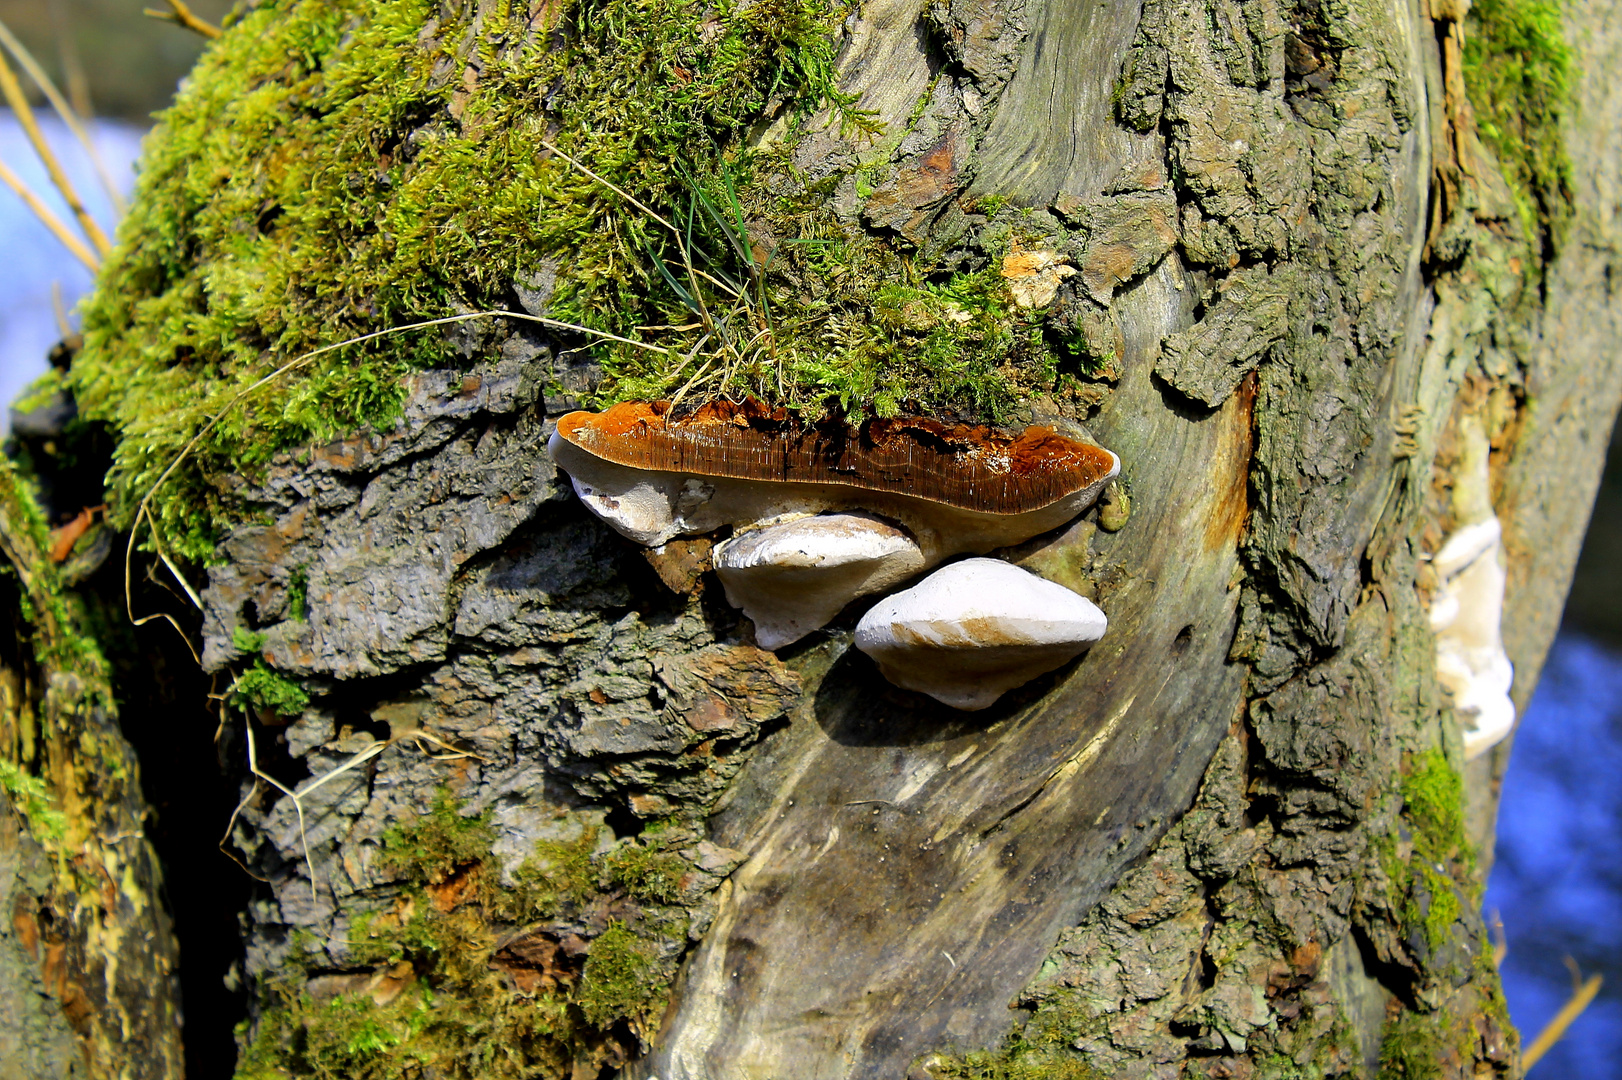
(1429, 887)
(298, 593)
(263, 688)
(1433, 798)
(1040, 1050)
(337, 167)
(30, 795)
(340, 168)
(1520, 72)
(1411, 1048)
(433, 846)
(439, 987)
(621, 981)
(645, 872)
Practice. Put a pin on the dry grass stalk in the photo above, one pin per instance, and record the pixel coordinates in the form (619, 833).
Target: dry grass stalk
(57, 226)
(70, 116)
(14, 96)
(1582, 995)
(181, 15)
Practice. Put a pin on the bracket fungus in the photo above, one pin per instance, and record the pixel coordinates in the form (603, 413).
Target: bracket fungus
(794, 577)
(941, 489)
(1468, 607)
(972, 631)
(956, 488)
(1465, 616)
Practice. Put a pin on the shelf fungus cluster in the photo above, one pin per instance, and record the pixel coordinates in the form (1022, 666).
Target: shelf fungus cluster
(1468, 606)
(824, 513)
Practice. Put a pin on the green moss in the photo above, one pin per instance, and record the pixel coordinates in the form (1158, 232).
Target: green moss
(431, 847)
(419, 1033)
(646, 872)
(59, 640)
(348, 1033)
(456, 1015)
(874, 336)
(1520, 73)
(1427, 886)
(263, 688)
(30, 795)
(339, 168)
(1040, 1050)
(1411, 1048)
(40, 392)
(298, 593)
(1441, 910)
(620, 981)
(1433, 801)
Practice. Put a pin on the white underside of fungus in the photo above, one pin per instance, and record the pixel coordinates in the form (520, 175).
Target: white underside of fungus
(1468, 607)
(1465, 616)
(793, 578)
(975, 629)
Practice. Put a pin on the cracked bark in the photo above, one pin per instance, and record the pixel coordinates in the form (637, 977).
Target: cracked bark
(1309, 273)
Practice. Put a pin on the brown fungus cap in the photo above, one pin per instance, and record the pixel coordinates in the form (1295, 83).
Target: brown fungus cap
(969, 467)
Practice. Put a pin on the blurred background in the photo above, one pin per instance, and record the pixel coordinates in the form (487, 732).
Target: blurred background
(1557, 881)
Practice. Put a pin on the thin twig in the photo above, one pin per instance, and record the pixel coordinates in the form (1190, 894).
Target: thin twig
(1581, 996)
(58, 227)
(60, 310)
(14, 96)
(69, 115)
(181, 15)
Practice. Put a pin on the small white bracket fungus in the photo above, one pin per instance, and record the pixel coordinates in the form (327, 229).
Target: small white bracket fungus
(974, 630)
(638, 505)
(1465, 616)
(794, 577)
(1468, 606)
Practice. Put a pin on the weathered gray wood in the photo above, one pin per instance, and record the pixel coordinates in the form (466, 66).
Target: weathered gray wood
(907, 854)
(1054, 131)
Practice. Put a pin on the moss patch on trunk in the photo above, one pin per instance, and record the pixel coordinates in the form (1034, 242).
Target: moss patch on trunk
(335, 169)
(563, 971)
(1521, 73)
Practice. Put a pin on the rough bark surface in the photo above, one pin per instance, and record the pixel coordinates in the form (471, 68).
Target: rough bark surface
(87, 953)
(1230, 841)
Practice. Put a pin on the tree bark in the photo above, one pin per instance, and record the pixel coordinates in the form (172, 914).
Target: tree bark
(87, 954)
(1239, 838)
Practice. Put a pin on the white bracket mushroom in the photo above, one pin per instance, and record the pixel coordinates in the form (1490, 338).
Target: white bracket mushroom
(973, 630)
(940, 489)
(795, 577)
(1468, 607)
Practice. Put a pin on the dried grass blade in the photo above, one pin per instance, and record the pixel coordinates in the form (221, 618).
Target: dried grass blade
(58, 227)
(14, 96)
(181, 15)
(69, 115)
(1556, 1028)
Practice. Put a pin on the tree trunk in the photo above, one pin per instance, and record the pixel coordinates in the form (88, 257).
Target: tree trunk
(556, 814)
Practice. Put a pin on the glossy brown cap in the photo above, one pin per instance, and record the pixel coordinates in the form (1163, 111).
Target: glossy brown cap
(970, 467)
